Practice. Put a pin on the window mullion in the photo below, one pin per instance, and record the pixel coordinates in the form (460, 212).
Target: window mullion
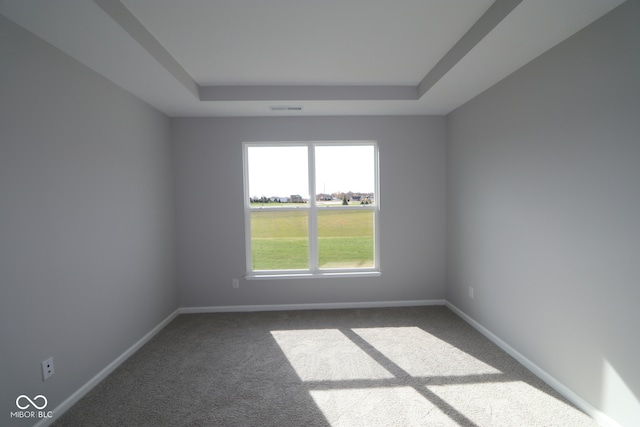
(313, 215)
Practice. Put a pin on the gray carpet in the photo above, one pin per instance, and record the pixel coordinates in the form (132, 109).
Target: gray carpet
(419, 366)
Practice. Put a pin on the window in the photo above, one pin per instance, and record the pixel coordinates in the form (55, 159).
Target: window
(311, 209)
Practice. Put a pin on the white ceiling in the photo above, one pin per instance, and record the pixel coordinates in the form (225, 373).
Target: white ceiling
(285, 42)
(331, 57)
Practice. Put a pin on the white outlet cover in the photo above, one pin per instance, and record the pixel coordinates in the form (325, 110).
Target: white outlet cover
(47, 368)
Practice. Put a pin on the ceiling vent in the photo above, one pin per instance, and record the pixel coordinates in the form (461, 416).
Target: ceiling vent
(285, 107)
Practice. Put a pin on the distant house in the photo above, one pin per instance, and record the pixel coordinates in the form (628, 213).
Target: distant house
(296, 198)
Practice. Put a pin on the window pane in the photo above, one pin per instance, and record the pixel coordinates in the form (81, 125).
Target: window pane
(345, 175)
(279, 240)
(278, 175)
(345, 238)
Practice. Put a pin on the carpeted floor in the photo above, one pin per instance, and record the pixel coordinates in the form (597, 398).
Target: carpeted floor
(420, 366)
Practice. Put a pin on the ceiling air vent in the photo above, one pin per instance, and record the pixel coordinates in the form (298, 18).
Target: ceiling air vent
(285, 107)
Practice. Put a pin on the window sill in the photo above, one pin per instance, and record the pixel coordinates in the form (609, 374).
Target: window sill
(318, 275)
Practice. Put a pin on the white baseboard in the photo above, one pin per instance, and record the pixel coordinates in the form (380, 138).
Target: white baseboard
(318, 306)
(78, 394)
(585, 406)
(596, 414)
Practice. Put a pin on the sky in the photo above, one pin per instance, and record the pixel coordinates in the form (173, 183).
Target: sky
(282, 171)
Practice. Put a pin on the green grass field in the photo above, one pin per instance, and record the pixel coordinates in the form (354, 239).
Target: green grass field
(279, 239)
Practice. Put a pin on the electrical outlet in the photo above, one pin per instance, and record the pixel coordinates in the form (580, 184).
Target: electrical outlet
(470, 292)
(236, 283)
(47, 368)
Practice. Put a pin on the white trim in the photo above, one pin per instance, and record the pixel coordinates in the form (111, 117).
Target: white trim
(596, 414)
(312, 208)
(317, 306)
(565, 391)
(78, 394)
(247, 207)
(259, 275)
(376, 213)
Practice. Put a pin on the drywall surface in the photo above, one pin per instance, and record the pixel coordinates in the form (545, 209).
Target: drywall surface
(544, 209)
(86, 223)
(209, 194)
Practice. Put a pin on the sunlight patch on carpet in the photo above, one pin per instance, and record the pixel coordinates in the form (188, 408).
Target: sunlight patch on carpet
(327, 355)
(509, 404)
(421, 354)
(369, 407)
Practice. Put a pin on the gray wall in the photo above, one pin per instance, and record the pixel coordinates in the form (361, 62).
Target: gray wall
(544, 212)
(86, 223)
(209, 193)
(543, 197)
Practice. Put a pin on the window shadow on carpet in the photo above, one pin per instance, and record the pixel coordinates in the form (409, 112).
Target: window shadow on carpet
(419, 366)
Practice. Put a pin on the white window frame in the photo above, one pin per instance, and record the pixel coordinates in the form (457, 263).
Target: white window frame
(314, 271)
